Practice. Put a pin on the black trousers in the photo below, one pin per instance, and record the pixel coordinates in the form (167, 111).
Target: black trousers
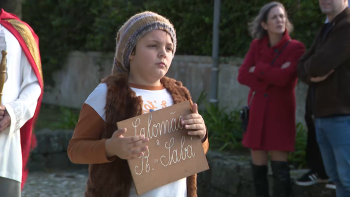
(313, 153)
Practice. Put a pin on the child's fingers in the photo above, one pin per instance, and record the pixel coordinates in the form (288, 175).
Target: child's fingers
(132, 157)
(137, 143)
(200, 133)
(134, 139)
(137, 152)
(135, 156)
(195, 108)
(192, 121)
(195, 133)
(192, 116)
(194, 126)
(143, 149)
(119, 132)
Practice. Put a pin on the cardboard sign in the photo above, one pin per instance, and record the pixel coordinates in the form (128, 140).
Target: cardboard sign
(172, 153)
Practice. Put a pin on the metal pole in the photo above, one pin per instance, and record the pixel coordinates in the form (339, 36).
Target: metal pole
(215, 55)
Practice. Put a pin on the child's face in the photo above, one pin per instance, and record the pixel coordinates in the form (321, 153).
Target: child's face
(153, 56)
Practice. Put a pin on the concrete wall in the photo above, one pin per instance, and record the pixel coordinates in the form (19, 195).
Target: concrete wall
(83, 71)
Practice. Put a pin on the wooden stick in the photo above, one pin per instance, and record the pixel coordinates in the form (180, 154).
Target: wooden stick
(2, 73)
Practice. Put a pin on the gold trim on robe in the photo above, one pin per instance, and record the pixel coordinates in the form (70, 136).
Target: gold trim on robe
(30, 42)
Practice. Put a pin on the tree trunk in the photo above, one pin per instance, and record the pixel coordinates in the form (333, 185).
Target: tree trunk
(12, 6)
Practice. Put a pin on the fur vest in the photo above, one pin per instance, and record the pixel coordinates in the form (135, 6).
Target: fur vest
(114, 179)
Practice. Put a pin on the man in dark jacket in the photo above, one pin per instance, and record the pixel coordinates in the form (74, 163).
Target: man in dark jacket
(326, 68)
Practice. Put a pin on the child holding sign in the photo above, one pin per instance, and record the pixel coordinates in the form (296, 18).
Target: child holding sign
(145, 47)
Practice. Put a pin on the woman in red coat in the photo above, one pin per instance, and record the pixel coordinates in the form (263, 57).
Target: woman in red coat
(270, 71)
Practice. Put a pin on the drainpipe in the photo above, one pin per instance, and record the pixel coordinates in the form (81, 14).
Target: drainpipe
(215, 55)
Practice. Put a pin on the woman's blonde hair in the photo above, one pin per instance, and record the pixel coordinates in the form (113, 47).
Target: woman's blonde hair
(255, 28)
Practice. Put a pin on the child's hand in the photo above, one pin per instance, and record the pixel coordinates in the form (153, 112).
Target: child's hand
(195, 122)
(125, 147)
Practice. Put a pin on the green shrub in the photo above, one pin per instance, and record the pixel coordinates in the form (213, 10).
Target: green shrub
(225, 132)
(56, 117)
(298, 157)
(68, 121)
(225, 128)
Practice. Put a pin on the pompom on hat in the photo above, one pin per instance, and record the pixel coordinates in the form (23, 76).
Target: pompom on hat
(134, 29)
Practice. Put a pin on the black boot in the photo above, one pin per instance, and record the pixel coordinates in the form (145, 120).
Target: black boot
(260, 180)
(282, 184)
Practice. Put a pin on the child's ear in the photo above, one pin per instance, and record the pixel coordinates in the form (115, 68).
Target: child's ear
(132, 55)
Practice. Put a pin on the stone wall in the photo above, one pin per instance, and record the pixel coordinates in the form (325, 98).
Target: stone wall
(229, 175)
(51, 151)
(83, 71)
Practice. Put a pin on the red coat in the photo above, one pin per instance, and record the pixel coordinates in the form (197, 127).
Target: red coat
(272, 111)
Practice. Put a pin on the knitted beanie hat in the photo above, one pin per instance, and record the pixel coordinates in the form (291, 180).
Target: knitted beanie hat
(134, 29)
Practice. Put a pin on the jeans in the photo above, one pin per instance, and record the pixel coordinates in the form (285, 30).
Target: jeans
(333, 137)
(313, 153)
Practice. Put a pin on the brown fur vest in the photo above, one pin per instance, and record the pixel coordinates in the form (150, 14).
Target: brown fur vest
(114, 179)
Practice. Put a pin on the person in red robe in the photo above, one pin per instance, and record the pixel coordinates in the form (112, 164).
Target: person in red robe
(21, 99)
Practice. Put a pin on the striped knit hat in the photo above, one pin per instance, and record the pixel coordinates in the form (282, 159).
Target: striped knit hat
(134, 29)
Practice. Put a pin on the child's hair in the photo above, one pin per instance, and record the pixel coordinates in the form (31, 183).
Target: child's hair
(134, 29)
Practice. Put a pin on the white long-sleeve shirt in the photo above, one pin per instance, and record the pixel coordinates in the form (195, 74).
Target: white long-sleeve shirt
(20, 96)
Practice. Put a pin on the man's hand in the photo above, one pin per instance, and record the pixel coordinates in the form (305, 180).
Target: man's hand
(5, 119)
(319, 79)
(251, 69)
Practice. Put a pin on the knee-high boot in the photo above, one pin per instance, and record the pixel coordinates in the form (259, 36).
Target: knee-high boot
(282, 184)
(260, 180)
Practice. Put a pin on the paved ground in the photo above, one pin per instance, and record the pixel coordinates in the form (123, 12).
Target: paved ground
(55, 184)
(73, 183)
